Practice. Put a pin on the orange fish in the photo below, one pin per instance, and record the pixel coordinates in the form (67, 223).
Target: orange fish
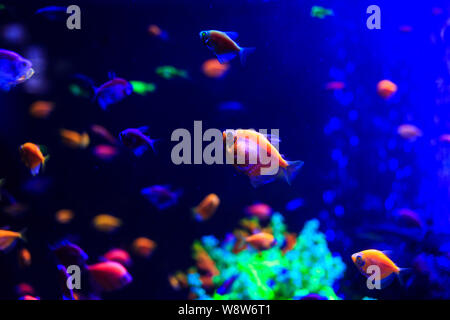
(214, 69)
(261, 241)
(64, 216)
(24, 258)
(106, 223)
(207, 207)
(224, 46)
(74, 139)
(33, 157)
(386, 89)
(178, 280)
(290, 242)
(157, 32)
(247, 148)
(143, 247)
(41, 109)
(8, 238)
(204, 261)
(371, 257)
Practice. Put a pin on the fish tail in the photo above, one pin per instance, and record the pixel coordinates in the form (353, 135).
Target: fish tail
(244, 52)
(152, 143)
(22, 235)
(291, 170)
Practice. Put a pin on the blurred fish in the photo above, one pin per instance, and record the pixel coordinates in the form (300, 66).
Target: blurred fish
(226, 286)
(409, 132)
(143, 247)
(203, 260)
(444, 138)
(106, 223)
(290, 240)
(223, 45)
(137, 139)
(249, 144)
(14, 69)
(405, 28)
(261, 241)
(161, 196)
(64, 216)
(37, 185)
(104, 133)
(321, 12)
(52, 13)
(33, 157)
(170, 72)
(295, 204)
(8, 238)
(74, 139)
(251, 225)
(68, 253)
(335, 85)
(214, 69)
(409, 217)
(118, 255)
(41, 109)
(157, 32)
(113, 91)
(230, 105)
(23, 289)
(207, 207)
(142, 88)
(260, 210)
(24, 257)
(110, 275)
(386, 89)
(312, 296)
(28, 297)
(15, 209)
(178, 280)
(105, 152)
(371, 257)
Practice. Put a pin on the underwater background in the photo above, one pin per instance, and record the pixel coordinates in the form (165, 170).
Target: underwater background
(358, 170)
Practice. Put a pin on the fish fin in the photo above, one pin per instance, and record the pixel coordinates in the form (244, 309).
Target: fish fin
(35, 170)
(43, 148)
(244, 52)
(233, 35)
(291, 170)
(225, 57)
(152, 143)
(139, 151)
(144, 129)
(22, 235)
(260, 180)
(111, 75)
(387, 281)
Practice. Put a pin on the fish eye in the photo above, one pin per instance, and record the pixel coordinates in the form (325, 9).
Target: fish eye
(359, 261)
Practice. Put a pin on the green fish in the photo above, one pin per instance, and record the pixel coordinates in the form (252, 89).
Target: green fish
(321, 12)
(142, 88)
(170, 72)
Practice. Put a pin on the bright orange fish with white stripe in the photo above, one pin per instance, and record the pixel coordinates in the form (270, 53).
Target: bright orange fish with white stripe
(254, 155)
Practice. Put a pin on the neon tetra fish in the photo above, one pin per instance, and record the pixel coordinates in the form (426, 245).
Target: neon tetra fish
(371, 257)
(224, 46)
(247, 148)
(33, 157)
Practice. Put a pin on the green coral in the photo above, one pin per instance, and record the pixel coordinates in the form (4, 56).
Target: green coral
(309, 267)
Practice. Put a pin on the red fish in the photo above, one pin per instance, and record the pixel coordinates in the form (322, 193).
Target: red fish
(110, 275)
